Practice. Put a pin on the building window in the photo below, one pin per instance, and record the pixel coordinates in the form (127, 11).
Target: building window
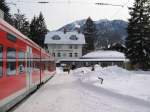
(73, 37)
(59, 54)
(70, 46)
(1, 60)
(56, 37)
(64, 55)
(76, 54)
(11, 61)
(76, 47)
(54, 54)
(70, 54)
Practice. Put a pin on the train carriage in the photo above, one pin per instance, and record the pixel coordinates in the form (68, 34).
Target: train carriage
(23, 66)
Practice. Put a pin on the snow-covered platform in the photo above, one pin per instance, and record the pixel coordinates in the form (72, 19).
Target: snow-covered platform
(76, 93)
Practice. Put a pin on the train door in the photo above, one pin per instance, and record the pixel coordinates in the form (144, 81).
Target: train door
(29, 67)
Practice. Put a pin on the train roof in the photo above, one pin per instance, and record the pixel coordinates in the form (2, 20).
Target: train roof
(8, 28)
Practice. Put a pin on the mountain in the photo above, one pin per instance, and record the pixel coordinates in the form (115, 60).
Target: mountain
(109, 32)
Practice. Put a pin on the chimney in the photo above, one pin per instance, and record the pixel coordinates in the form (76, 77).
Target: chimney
(65, 30)
(77, 28)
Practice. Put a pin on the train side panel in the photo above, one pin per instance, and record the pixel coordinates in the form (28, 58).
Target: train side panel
(23, 66)
(12, 81)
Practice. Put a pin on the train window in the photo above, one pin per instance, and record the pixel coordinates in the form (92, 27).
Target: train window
(21, 67)
(46, 65)
(11, 61)
(11, 53)
(1, 51)
(1, 61)
(21, 63)
(1, 71)
(11, 37)
(21, 54)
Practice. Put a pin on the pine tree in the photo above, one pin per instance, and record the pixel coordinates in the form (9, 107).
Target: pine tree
(42, 30)
(38, 30)
(33, 29)
(90, 35)
(21, 23)
(138, 40)
(4, 7)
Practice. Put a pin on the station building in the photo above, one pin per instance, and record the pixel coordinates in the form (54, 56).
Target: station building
(65, 45)
(101, 57)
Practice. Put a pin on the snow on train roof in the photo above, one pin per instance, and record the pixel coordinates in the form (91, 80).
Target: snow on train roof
(59, 37)
(104, 55)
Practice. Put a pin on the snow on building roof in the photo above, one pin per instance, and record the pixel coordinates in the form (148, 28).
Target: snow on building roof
(87, 60)
(104, 55)
(59, 37)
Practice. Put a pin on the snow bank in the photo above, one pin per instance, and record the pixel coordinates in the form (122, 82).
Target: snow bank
(118, 80)
(59, 70)
(115, 70)
(105, 55)
(81, 71)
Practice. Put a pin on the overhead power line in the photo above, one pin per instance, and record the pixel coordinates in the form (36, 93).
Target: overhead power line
(68, 2)
(109, 4)
(43, 2)
(11, 3)
(120, 9)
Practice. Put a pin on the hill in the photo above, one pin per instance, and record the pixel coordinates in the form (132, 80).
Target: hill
(109, 32)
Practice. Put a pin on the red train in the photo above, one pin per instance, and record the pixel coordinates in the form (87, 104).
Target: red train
(23, 66)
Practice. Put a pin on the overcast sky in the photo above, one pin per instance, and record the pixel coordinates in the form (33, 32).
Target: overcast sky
(60, 12)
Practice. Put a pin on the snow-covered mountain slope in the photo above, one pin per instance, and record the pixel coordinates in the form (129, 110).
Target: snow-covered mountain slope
(113, 31)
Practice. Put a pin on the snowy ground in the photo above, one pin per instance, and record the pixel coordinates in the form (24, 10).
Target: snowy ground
(81, 91)
(135, 83)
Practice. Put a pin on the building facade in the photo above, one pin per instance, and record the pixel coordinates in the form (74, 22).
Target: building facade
(65, 45)
(102, 58)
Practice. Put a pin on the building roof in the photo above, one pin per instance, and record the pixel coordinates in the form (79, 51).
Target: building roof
(87, 60)
(59, 37)
(105, 55)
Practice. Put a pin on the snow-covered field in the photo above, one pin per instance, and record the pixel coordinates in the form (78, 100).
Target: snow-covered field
(119, 80)
(81, 91)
